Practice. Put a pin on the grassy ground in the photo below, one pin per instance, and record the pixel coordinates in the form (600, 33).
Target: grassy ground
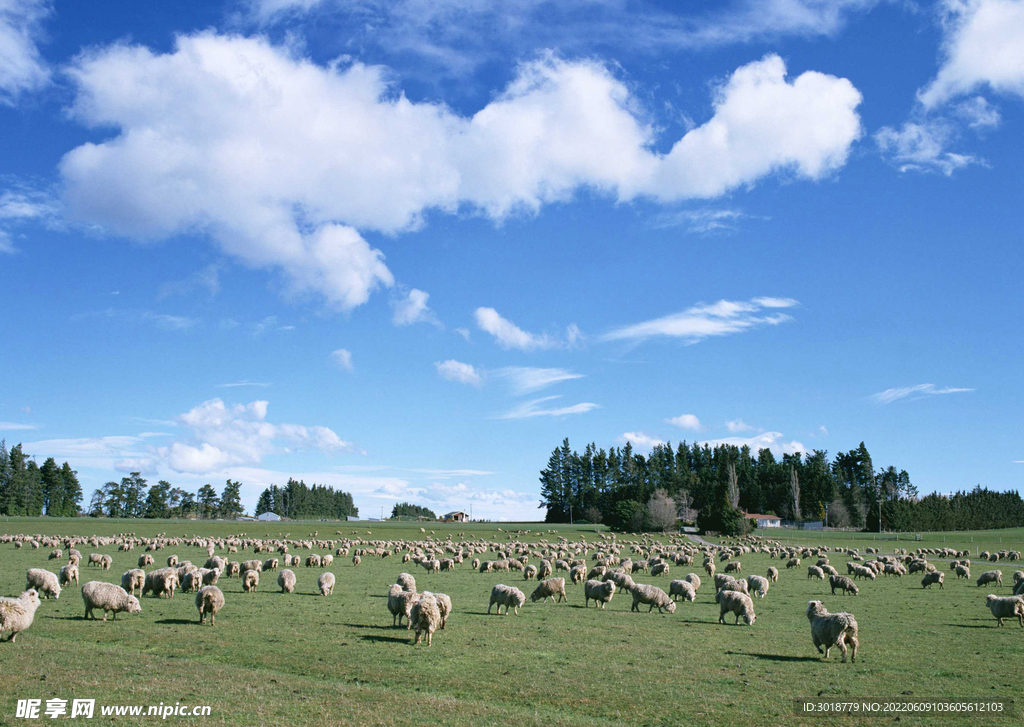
(301, 659)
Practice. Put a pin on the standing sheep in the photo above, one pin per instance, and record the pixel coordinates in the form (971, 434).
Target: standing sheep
(43, 581)
(936, 576)
(653, 596)
(286, 579)
(17, 614)
(600, 592)
(773, 574)
(736, 603)
(326, 583)
(209, 600)
(549, 589)
(758, 585)
(250, 581)
(683, 589)
(694, 580)
(68, 574)
(400, 604)
(814, 571)
(844, 584)
(963, 571)
(111, 598)
(991, 576)
(661, 569)
(133, 580)
(507, 596)
(407, 582)
(733, 567)
(425, 617)
(832, 629)
(356, 560)
(162, 581)
(1008, 607)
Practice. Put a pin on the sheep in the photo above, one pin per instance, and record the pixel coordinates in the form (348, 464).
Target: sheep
(543, 570)
(172, 561)
(17, 614)
(709, 568)
(694, 580)
(653, 596)
(577, 574)
(860, 571)
(190, 583)
(111, 598)
(844, 584)
(407, 582)
(736, 603)
(68, 574)
(43, 581)
(326, 583)
(286, 579)
(549, 588)
(597, 573)
(933, 577)
(507, 596)
(55, 554)
(95, 559)
(425, 617)
(270, 564)
(991, 576)
(600, 592)
(146, 559)
(963, 571)
(793, 563)
(400, 604)
(733, 567)
(356, 560)
(1008, 607)
(773, 574)
(683, 589)
(832, 629)
(235, 569)
(758, 585)
(250, 581)
(325, 561)
(432, 565)
(814, 571)
(209, 600)
(257, 565)
(661, 569)
(735, 585)
(161, 581)
(133, 580)
(444, 606)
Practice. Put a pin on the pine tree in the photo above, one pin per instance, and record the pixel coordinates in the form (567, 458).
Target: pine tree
(71, 501)
(208, 501)
(231, 500)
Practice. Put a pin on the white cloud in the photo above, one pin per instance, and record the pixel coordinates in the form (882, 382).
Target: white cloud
(21, 66)
(701, 321)
(823, 430)
(22, 204)
(922, 147)
(700, 221)
(6, 246)
(86, 447)
(574, 337)
(527, 379)
(918, 391)
(16, 426)
(978, 113)
(533, 408)
(280, 161)
(268, 323)
(983, 45)
(508, 334)
(737, 425)
(641, 441)
(765, 440)
(236, 384)
(342, 358)
(686, 421)
(413, 308)
(463, 373)
(464, 332)
(166, 321)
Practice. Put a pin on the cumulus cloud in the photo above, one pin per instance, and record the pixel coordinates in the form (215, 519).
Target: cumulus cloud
(342, 358)
(766, 440)
(412, 308)
(21, 65)
(919, 391)
(694, 324)
(527, 379)
(737, 425)
(282, 161)
(922, 147)
(686, 421)
(463, 373)
(642, 441)
(508, 334)
(983, 45)
(534, 408)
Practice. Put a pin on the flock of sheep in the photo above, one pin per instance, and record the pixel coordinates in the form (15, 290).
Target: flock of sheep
(426, 612)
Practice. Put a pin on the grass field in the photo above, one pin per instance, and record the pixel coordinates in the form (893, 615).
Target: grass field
(300, 659)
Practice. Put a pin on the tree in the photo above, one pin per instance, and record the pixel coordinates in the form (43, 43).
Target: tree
(96, 503)
(72, 492)
(134, 488)
(208, 501)
(158, 500)
(661, 511)
(734, 486)
(794, 493)
(231, 500)
(684, 504)
(52, 487)
(408, 510)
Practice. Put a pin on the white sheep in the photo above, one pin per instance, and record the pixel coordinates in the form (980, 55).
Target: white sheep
(661, 569)
(652, 596)
(935, 576)
(549, 588)
(736, 603)
(162, 581)
(1006, 607)
(425, 617)
(773, 574)
(758, 585)
(133, 580)
(682, 589)
(991, 576)
(400, 604)
(286, 579)
(250, 581)
(507, 596)
(814, 571)
(832, 629)
(67, 575)
(844, 584)
(601, 592)
(407, 582)
(209, 600)
(43, 581)
(109, 597)
(17, 614)
(444, 606)
(694, 580)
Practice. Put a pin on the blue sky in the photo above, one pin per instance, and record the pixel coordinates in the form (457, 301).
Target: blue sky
(404, 248)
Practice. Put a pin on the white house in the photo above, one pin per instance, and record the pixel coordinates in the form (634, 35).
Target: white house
(765, 521)
(269, 517)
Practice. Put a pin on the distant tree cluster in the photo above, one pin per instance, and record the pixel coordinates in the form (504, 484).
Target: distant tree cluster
(133, 496)
(714, 486)
(299, 501)
(31, 490)
(408, 510)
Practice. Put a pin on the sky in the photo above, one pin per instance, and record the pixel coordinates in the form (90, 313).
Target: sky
(404, 248)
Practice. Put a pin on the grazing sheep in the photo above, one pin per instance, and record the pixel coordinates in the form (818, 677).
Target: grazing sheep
(600, 592)
(733, 567)
(96, 559)
(832, 629)
(991, 576)
(250, 581)
(694, 580)
(234, 568)
(661, 569)
(17, 614)
(43, 581)
(844, 584)
(577, 574)
(327, 560)
(111, 598)
(407, 582)
(209, 600)
(400, 604)
(963, 571)
(1008, 607)
(543, 570)
(68, 574)
(55, 555)
(146, 559)
(758, 585)
(549, 588)
(105, 562)
(270, 564)
(735, 585)
(425, 617)
(161, 582)
(793, 563)
(621, 580)
(444, 605)
(597, 573)
(133, 580)
(736, 603)
(682, 589)
(773, 574)
(190, 583)
(432, 565)
(356, 560)
(709, 568)
(814, 571)
(326, 583)
(653, 596)
(933, 577)
(286, 579)
(507, 596)
(172, 561)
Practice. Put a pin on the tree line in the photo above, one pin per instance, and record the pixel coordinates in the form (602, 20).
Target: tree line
(408, 510)
(300, 501)
(133, 496)
(30, 490)
(713, 486)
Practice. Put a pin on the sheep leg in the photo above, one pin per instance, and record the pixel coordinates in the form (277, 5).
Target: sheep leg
(737, 621)
(429, 639)
(842, 647)
(853, 648)
(828, 648)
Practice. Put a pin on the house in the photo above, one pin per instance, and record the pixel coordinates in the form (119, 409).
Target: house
(269, 517)
(764, 521)
(455, 517)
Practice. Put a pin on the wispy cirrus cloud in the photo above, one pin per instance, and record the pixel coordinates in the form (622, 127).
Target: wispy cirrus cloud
(528, 379)
(236, 384)
(17, 426)
(918, 391)
(508, 334)
(166, 321)
(22, 68)
(535, 408)
(700, 221)
(726, 317)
